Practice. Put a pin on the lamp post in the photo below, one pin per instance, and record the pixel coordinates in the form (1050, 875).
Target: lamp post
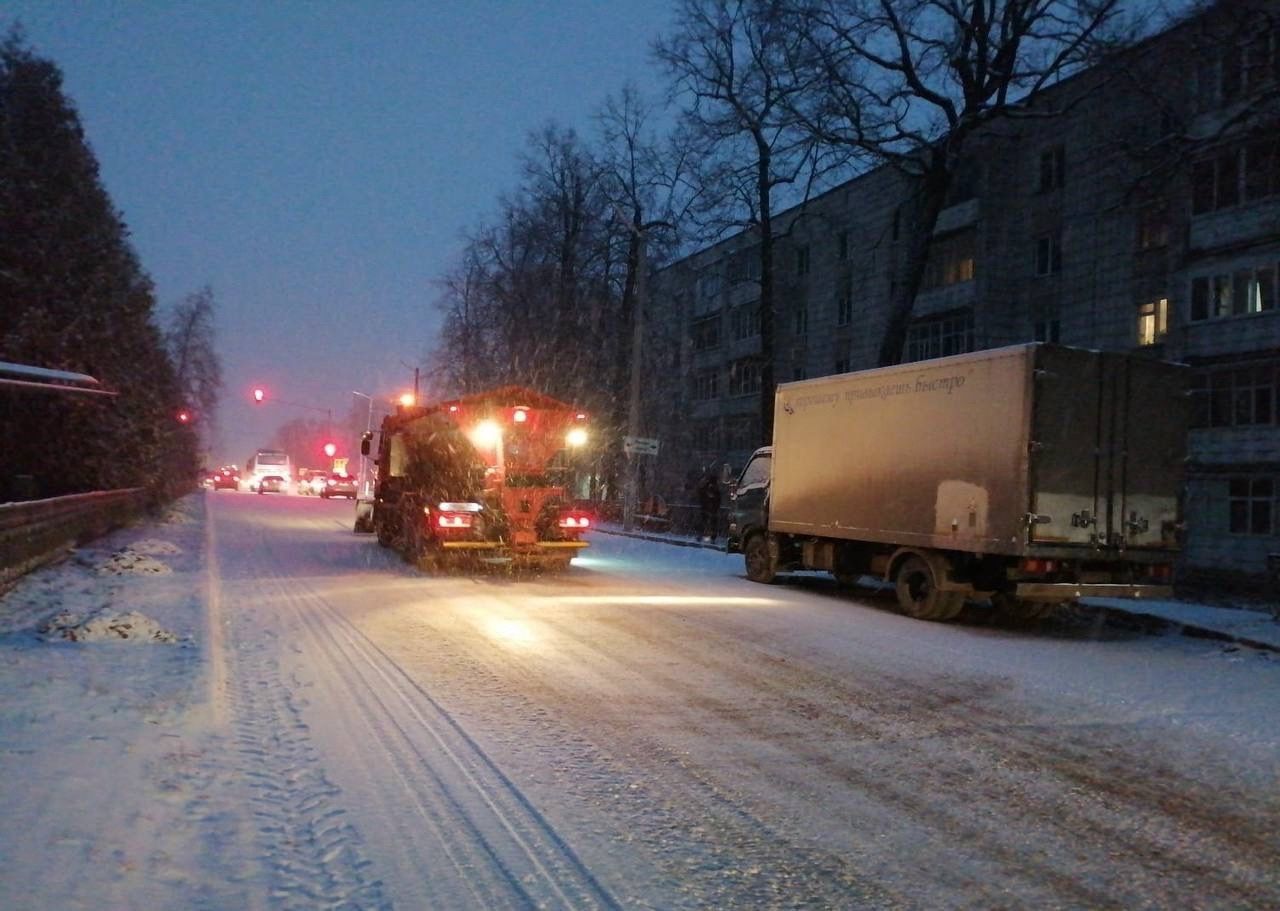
(364, 459)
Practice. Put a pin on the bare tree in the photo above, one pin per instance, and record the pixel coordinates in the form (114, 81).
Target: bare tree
(733, 63)
(909, 83)
(190, 341)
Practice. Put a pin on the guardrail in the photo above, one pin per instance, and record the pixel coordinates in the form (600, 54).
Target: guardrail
(35, 532)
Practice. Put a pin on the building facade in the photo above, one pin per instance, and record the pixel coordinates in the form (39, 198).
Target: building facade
(1135, 207)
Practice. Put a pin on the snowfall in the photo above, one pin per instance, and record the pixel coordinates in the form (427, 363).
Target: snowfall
(241, 704)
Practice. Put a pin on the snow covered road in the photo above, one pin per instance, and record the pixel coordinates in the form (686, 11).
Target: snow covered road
(333, 729)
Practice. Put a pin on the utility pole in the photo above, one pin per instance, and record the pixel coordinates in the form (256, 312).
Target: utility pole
(630, 488)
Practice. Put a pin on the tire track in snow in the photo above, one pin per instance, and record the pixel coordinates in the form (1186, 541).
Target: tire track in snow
(313, 857)
(497, 844)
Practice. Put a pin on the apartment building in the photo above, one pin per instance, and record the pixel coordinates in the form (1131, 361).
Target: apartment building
(1143, 216)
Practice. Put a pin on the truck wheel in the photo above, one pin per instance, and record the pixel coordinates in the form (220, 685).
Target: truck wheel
(762, 566)
(385, 537)
(918, 593)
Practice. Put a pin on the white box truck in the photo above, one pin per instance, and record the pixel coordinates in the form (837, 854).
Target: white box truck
(1026, 475)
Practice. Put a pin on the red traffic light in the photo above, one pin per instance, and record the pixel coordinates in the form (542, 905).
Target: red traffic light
(184, 417)
(330, 449)
(259, 394)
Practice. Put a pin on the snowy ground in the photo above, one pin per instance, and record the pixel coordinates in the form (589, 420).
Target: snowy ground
(246, 706)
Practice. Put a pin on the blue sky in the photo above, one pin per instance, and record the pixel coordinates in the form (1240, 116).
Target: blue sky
(317, 163)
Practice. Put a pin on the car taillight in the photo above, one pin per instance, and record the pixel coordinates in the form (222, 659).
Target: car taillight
(454, 519)
(574, 520)
(333, 483)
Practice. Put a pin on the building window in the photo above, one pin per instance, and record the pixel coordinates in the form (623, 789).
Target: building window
(1046, 328)
(706, 385)
(744, 378)
(705, 333)
(1215, 182)
(841, 365)
(802, 261)
(706, 436)
(1052, 168)
(1049, 254)
(1153, 226)
(742, 433)
(897, 221)
(746, 321)
(1260, 63)
(844, 303)
(744, 265)
(709, 286)
(1243, 292)
(798, 372)
(1234, 397)
(800, 320)
(1153, 321)
(1251, 502)
(1261, 169)
(951, 333)
(951, 260)
(842, 246)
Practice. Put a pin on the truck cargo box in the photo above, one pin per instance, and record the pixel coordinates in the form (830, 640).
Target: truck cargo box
(1028, 450)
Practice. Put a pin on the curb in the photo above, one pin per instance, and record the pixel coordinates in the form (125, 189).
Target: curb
(1154, 622)
(646, 536)
(1151, 622)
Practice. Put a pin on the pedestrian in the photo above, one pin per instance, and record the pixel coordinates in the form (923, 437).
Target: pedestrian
(709, 504)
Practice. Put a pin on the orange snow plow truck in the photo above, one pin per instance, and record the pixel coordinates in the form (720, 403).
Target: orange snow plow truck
(479, 479)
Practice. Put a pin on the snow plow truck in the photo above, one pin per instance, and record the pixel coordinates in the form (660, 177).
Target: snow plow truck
(478, 479)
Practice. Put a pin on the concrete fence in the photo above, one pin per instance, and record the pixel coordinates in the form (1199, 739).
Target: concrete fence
(37, 531)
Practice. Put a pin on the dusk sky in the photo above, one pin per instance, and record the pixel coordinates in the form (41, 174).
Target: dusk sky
(317, 163)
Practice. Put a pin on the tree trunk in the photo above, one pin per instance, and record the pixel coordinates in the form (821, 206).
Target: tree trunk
(767, 322)
(929, 200)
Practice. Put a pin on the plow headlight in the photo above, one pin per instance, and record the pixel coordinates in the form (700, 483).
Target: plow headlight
(576, 437)
(574, 520)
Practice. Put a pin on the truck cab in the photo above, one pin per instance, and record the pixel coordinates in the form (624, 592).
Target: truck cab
(749, 500)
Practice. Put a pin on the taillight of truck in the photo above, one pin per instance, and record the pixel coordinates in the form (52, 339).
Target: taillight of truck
(576, 521)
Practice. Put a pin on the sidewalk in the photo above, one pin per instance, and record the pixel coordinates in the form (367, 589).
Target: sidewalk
(1253, 627)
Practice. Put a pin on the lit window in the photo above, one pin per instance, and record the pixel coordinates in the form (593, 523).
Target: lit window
(950, 261)
(1153, 321)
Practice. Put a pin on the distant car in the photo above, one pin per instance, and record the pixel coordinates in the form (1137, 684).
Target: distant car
(226, 478)
(311, 481)
(339, 484)
(273, 483)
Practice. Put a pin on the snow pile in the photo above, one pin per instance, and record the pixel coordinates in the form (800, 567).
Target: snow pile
(105, 626)
(175, 516)
(154, 546)
(129, 562)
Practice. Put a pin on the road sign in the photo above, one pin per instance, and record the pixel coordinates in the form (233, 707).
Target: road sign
(640, 446)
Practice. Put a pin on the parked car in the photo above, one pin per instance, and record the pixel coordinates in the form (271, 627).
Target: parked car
(339, 484)
(226, 478)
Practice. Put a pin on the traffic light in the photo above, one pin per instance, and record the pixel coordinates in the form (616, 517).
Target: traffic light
(330, 450)
(184, 416)
(259, 394)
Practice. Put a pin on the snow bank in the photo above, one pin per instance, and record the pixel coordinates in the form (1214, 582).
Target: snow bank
(105, 626)
(129, 562)
(155, 546)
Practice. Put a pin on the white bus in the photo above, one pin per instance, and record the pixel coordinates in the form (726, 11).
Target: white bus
(268, 463)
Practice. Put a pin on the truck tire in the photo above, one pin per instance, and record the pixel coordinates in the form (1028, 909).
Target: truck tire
(918, 593)
(762, 564)
(384, 533)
